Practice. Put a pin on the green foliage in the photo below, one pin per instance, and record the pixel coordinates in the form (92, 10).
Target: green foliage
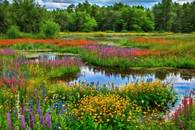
(89, 24)
(49, 29)
(127, 43)
(81, 21)
(28, 15)
(178, 18)
(61, 71)
(146, 61)
(150, 96)
(62, 18)
(13, 32)
(4, 17)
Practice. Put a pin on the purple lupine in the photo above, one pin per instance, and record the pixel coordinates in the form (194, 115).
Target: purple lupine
(38, 107)
(60, 107)
(22, 121)
(42, 122)
(22, 110)
(31, 120)
(9, 122)
(48, 120)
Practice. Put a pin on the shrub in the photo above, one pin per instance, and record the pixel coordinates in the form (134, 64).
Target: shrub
(149, 95)
(13, 32)
(49, 29)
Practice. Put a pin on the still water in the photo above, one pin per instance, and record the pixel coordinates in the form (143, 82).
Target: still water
(182, 80)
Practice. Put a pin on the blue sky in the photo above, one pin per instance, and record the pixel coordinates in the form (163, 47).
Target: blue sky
(53, 4)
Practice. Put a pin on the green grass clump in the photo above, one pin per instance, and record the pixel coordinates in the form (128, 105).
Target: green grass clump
(32, 46)
(62, 71)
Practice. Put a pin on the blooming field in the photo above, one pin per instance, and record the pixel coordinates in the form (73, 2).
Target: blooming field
(114, 51)
(16, 68)
(142, 52)
(58, 42)
(151, 40)
(30, 99)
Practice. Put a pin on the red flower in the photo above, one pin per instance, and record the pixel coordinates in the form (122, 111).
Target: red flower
(58, 42)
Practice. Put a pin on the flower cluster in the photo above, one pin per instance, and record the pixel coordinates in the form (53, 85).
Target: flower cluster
(105, 108)
(66, 62)
(114, 51)
(149, 40)
(184, 108)
(183, 113)
(58, 42)
(11, 75)
(7, 52)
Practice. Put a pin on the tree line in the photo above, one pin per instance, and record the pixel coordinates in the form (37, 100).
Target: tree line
(28, 16)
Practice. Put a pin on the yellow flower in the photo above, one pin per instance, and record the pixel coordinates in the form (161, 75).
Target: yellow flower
(103, 108)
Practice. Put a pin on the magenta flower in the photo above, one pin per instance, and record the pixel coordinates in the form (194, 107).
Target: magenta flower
(7, 52)
(22, 121)
(114, 51)
(9, 122)
(22, 110)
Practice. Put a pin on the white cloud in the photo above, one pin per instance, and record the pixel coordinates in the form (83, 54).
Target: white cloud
(52, 4)
(183, 1)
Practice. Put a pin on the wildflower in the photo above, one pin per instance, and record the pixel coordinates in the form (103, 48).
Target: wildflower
(105, 51)
(38, 108)
(9, 122)
(7, 52)
(48, 120)
(58, 42)
(42, 120)
(31, 120)
(22, 121)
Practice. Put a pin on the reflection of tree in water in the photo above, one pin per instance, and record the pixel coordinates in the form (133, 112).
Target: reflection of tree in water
(66, 77)
(185, 76)
(123, 73)
(161, 74)
(130, 75)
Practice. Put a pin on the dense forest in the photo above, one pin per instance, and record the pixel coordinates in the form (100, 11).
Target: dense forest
(28, 16)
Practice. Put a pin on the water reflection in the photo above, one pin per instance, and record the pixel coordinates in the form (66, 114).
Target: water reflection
(91, 74)
(183, 80)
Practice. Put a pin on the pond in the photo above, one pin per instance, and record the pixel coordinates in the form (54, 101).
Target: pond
(183, 80)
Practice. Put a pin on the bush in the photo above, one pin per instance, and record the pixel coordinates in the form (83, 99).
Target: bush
(150, 95)
(13, 32)
(49, 29)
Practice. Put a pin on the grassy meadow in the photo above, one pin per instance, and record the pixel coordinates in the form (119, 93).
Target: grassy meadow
(31, 98)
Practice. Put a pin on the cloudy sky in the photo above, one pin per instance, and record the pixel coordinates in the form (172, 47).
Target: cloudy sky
(53, 4)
